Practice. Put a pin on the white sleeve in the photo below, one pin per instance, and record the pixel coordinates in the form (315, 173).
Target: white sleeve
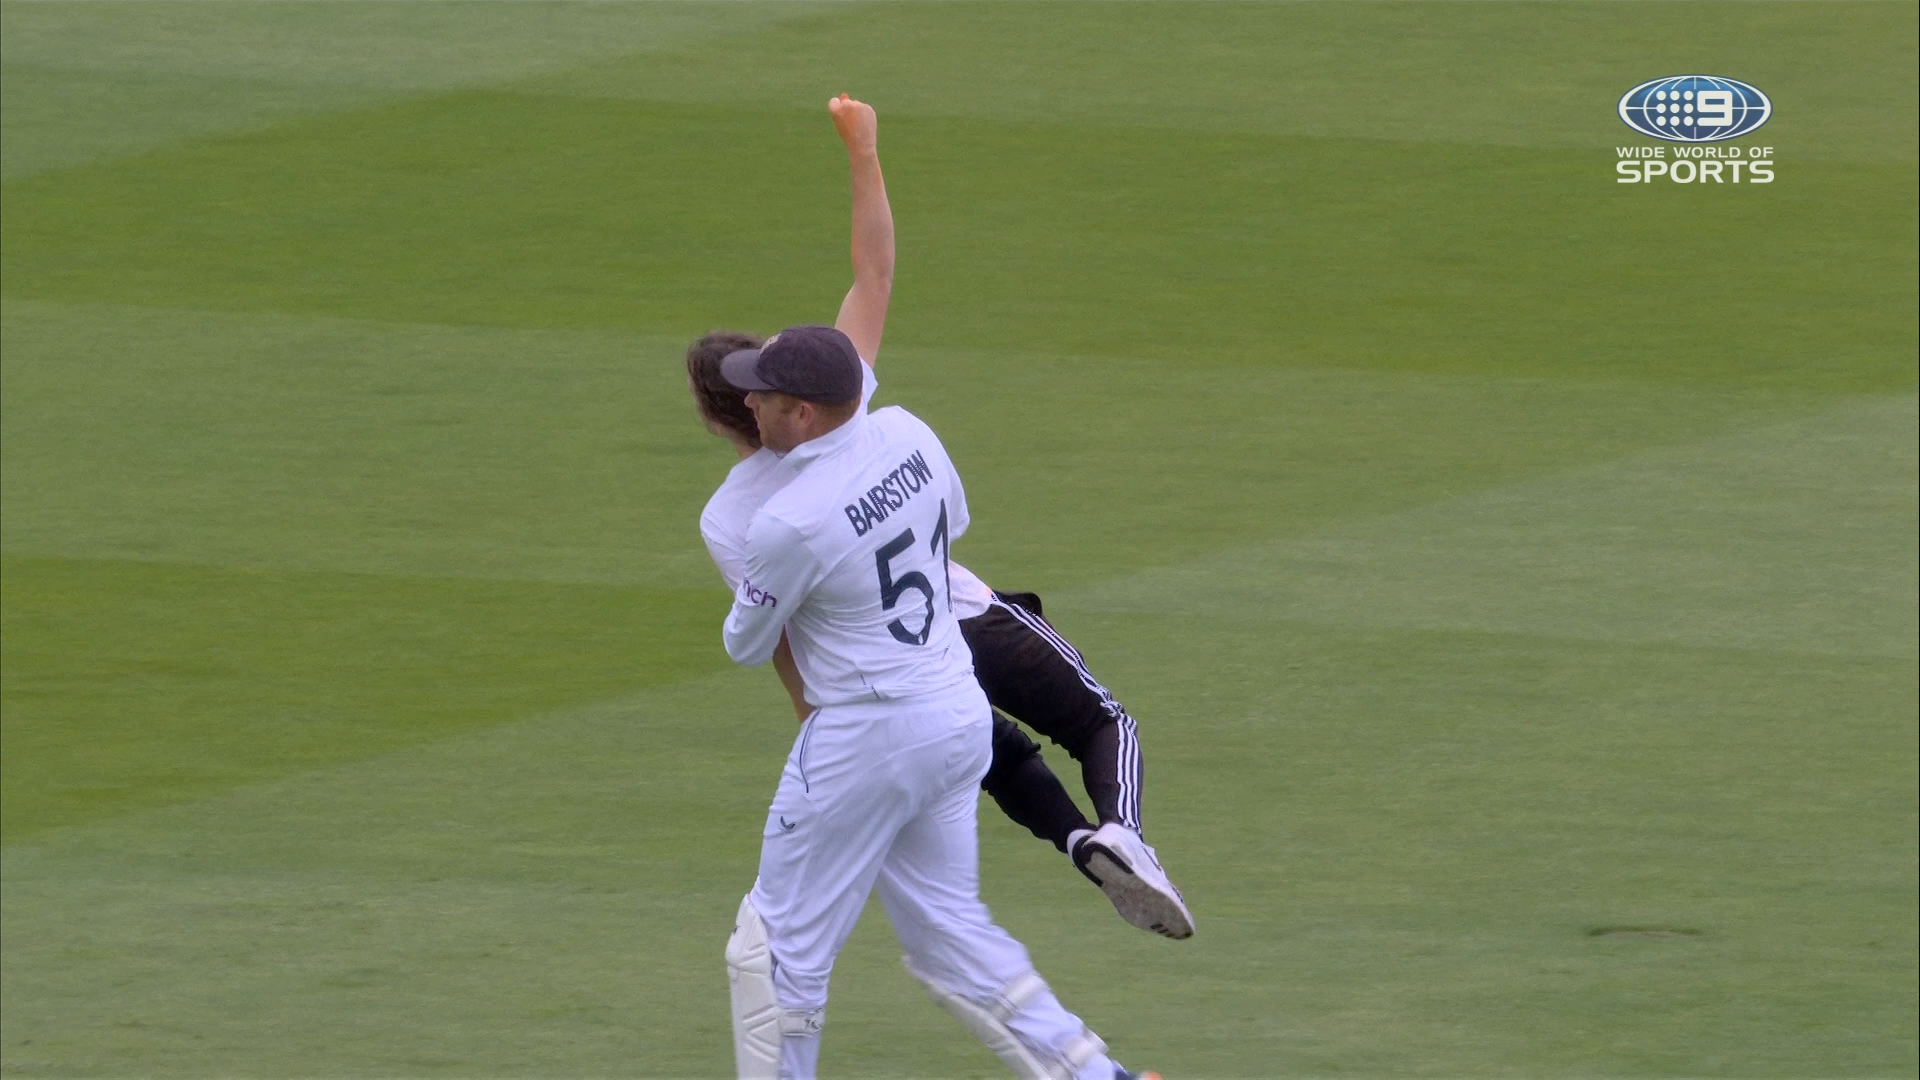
(957, 519)
(727, 555)
(780, 571)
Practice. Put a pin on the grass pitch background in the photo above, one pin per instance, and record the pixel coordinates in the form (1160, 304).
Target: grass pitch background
(1493, 554)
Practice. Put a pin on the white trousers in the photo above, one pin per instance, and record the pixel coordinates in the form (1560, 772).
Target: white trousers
(884, 795)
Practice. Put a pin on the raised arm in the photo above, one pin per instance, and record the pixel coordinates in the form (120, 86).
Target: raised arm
(863, 314)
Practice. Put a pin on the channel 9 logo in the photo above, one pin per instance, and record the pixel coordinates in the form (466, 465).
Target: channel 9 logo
(1694, 108)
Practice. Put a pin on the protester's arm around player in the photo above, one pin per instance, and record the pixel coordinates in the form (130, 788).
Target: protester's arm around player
(790, 679)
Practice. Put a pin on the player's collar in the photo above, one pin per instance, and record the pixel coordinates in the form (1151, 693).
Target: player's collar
(828, 443)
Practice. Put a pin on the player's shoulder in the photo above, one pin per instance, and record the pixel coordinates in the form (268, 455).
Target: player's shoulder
(900, 430)
(895, 427)
(796, 506)
(895, 419)
(890, 440)
(748, 485)
(806, 508)
(772, 527)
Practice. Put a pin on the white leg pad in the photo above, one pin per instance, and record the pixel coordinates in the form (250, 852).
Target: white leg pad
(758, 1020)
(988, 1023)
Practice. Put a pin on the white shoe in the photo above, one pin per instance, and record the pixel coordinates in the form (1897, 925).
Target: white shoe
(1117, 860)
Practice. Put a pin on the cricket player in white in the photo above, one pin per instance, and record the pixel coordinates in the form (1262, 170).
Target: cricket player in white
(849, 559)
(847, 564)
(1025, 666)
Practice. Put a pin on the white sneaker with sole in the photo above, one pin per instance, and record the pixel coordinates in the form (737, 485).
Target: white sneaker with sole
(1125, 868)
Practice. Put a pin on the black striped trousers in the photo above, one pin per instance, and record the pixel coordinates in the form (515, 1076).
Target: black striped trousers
(1033, 674)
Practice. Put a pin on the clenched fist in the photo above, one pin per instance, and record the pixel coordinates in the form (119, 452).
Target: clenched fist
(855, 122)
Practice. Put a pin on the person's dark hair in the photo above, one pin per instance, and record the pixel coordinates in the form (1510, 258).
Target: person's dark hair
(719, 400)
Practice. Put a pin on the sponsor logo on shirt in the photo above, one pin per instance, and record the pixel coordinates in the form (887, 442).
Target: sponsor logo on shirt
(754, 596)
(890, 494)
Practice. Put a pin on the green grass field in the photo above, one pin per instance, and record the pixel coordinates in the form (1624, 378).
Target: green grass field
(1513, 572)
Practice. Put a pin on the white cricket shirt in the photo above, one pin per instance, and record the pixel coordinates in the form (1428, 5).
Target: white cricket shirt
(970, 595)
(851, 557)
(723, 524)
(724, 521)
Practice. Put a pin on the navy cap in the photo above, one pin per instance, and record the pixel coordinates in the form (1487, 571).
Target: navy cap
(813, 363)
